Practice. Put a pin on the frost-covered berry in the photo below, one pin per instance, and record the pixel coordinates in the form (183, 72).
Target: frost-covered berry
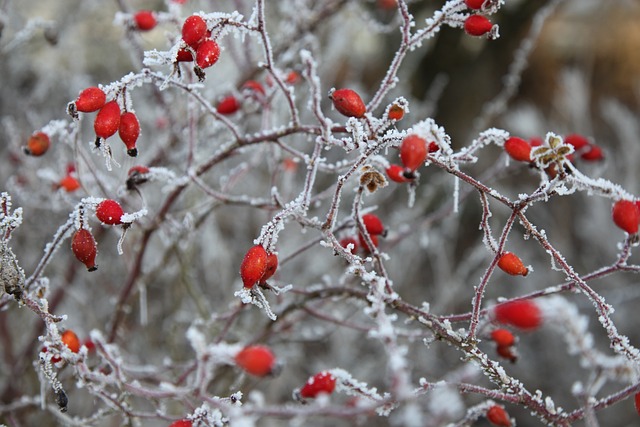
(109, 212)
(345, 241)
(511, 264)
(207, 53)
(498, 416)
(523, 314)
(348, 103)
(396, 112)
(272, 266)
(181, 423)
(38, 144)
(228, 105)
(257, 360)
(322, 382)
(145, 20)
(129, 131)
(373, 224)
(84, 248)
(477, 25)
(518, 149)
(71, 340)
(396, 173)
(413, 152)
(625, 215)
(90, 99)
(194, 30)
(254, 265)
(107, 120)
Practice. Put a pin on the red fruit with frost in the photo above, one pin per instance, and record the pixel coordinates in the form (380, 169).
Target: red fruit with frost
(322, 382)
(474, 4)
(71, 340)
(511, 264)
(503, 337)
(626, 215)
(207, 53)
(477, 25)
(523, 314)
(396, 173)
(272, 266)
(363, 242)
(396, 112)
(145, 20)
(413, 152)
(433, 147)
(184, 55)
(257, 360)
(84, 248)
(38, 144)
(498, 416)
(181, 423)
(345, 241)
(107, 120)
(194, 30)
(518, 149)
(373, 224)
(348, 103)
(129, 131)
(109, 212)
(253, 266)
(228, 105)
(91, 99)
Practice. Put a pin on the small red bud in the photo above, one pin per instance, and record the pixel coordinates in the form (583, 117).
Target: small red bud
(396, 112)
(228, 105)
(396, 173)
(345, 241)
(145, 20)
(107, 120)
(129, 131)
(38, 144)
(503, 337)
(373, 224)
(592, 154)
(523, 314)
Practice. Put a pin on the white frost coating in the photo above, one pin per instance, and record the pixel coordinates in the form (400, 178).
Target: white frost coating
(445, 401)
(197, 340)
(129, 218)
(256, 297)
(549, 405)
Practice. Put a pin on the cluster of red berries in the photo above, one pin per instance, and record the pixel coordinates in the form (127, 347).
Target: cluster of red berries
(83, 245)
(520, 149)
(230, 104)
(374, 226)
(196, 36)
(110, 119)
(257, 266)
(413, 153)
(71, 340)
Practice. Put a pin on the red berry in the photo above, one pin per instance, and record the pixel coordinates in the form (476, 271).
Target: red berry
(292, 77)
(413, 152)
(71, 340)
(637, 402)
(373, 224)
(518, 149)
(109, 212)
(257, 360)
(181, 423)
(38, 144)
(348, 103)
(363, 242)
(253, 266)
(507, 352)
(477, 25)
(503, 337)
(474, 4)
(626, 215)
(512, 264)
(322, 382)
(498, 416)
(576, 140)
(107, 120)
(254, 86)
(91, 346)
(272, 266)
(184, 56)
(91, 99)
(69, 184)
(228, 105)
(396, 112)
(207, 53)
(84, 248)
(145, 20)
(592, 154)
(395, 173)
(523, 314)
(345, 241)
(194, 30)
(139, 169)
(433, 147)
(129, 131)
